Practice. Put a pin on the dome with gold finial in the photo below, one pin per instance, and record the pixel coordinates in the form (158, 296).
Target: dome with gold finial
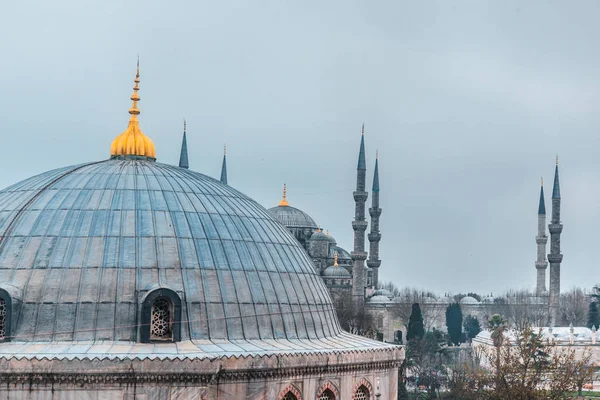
(291, 217)
(132, 143)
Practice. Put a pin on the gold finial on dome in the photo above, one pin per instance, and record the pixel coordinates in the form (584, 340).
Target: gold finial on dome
(542, 181)
(133, 143)
(335, 259)
(557, 159)
(284, 202)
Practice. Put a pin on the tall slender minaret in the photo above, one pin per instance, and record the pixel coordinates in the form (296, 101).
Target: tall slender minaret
(183, 156)
(541, 239)
(360, 226)
(555, 257)
(224, 166)
(375, 236)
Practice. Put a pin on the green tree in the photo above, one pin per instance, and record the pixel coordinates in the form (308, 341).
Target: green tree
(472, 326)
(454, 322)
(593, 315)
(415, 324)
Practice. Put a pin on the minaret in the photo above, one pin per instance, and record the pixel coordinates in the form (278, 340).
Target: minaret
(224, 166)
(375, 236)
(359, 225)
(555, 257)
(541, 239)
(183, 156)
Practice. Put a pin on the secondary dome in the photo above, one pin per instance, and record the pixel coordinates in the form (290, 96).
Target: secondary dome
(82, 246)
(335, 271)
(468, 300)
(291, 217)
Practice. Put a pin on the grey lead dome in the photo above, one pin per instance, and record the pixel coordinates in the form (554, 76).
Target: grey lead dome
(81, 246)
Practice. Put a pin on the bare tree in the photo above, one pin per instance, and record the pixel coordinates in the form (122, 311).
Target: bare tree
(521, 308)
(529, 368)
(573, 306)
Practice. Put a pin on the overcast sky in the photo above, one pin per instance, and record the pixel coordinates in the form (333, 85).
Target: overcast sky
(467, 101)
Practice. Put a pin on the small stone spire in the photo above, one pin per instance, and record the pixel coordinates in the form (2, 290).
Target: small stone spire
(224, 166)
(284, 202)
(375, 236)
(183, 156)
(360, 226)
(555, 257)
(541, 239)
(335, 259)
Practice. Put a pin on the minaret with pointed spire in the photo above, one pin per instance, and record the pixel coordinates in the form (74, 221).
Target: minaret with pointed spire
(360, 226)
(555, 257)
(183, 156)
(541, 239)
(224, 166)
(375, 236)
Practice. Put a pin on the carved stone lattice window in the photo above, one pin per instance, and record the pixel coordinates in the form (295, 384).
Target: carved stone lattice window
(362, 393)
(327, 395)
(161, 323)
(289, 396)
(3, 312)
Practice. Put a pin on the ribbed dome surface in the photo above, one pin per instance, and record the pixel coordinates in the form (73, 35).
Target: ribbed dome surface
(336, 271)
(292, 217)
(84, 244)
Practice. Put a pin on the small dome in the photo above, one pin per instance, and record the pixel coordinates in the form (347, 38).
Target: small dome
(336, 271)
(384, 292)
(318, 235)
(291, 217)
(488, 300)
(446, 300)
(331, 239)
(468, 300)
(343, 255)
(379, 300)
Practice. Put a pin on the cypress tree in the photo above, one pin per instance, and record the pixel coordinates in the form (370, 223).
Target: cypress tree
(415, 324)
(472, 326)
(454, 322)
(593, 315)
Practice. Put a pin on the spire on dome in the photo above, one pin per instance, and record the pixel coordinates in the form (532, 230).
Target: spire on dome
(361, 155)
(224, 166)
(376, 173)
(183, 156)
(335, 259)
(556, 188)
(133, 143)
(284, 202)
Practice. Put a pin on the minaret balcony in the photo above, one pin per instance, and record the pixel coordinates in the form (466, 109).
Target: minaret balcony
(555, 228)
(375, 212)
(541, 264)
(360, 196)
(555, 258)
(541, 239)
(359, 225)
(373, 263)
(359, 255)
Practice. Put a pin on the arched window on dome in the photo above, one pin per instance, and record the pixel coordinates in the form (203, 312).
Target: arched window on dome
(326, 395)
(161, 317)
(362, 393)
(5, 314)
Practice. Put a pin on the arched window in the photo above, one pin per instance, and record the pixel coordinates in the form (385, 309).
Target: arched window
(289, 396)
(161, 320)
(161, 317)
(362, 393)
(5, 310)
(326, 395)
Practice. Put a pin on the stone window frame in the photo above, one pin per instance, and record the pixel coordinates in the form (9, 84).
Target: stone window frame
(151, 297)
(290, 389)
(367, 385)
(331, 387)
(7, 318)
